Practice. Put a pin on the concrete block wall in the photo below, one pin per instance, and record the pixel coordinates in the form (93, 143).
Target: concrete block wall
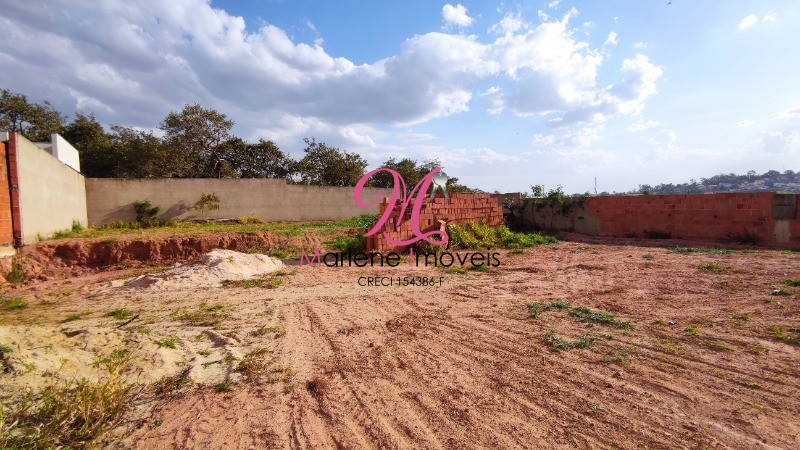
(50, 195)
(460, 208)
(112, 200)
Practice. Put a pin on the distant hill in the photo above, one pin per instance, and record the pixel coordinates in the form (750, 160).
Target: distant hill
(788, 181)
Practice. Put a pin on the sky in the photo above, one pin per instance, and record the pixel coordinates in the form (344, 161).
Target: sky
(505, 94)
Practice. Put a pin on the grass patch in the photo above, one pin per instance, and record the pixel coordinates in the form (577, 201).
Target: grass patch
(741, 319)
(247, 220)
(794, 282)
(558, 344)
(584, 314)
(712, 267)
(280, 254)
(533, 310)
(475, 236)
(73, 414)
(618, 355)
(11, 304)
(120, 314)
(782, 292)
(348, 243)
(718, 346)
(206, 316)
(168, 342)
(225, 386)
(74, 317)
(691, 329)
(254, 365)
(563, 305)
(780, 335)
(648, 256)
(283, 228)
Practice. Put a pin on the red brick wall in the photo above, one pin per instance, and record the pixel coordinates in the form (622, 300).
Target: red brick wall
(461, 208)
(13, 182)
(711, 217)
(6, 228)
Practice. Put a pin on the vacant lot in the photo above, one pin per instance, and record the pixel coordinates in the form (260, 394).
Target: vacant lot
(565, 345)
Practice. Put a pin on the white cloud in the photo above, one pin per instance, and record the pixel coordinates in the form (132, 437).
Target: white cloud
(510, 23)
(456, 15)
(752, 19)
(551, 73)
(580, 138)
(748, 22)
(554, 4)
(612, 39)
(745, 123)
(789, 114)
(640, 45)
(410, 136)
(664, 140)
(132, 63)
(310, 25)
(641, 125)
(781, 142)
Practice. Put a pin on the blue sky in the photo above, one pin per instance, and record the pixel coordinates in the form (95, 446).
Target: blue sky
(506, 94)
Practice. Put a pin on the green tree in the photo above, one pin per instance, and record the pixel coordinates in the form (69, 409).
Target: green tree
(262, 159)
(198, 135)
(33, 120)
(93, 144)
(135, 153)
(323, 165)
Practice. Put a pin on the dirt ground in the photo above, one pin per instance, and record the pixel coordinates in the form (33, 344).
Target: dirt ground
(310, 359)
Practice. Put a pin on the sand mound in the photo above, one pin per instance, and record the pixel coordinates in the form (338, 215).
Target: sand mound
(208, 270)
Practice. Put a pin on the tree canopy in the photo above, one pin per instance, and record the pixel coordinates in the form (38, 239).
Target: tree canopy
(195, 142)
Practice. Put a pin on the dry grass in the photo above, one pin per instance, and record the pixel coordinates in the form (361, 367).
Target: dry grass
(71, 414)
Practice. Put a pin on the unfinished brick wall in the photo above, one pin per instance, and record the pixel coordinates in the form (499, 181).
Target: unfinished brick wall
(460, 208)
(6, 227)
(774, 219)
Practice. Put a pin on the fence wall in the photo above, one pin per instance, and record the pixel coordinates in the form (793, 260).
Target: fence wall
(769, 217)
(270, 199)
(50, 194)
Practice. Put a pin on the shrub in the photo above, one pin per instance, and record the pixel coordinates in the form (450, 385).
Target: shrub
(473, 235)
(145, 212)
(17, 273)
(249, 220)
(348, 243)
(207, 203)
